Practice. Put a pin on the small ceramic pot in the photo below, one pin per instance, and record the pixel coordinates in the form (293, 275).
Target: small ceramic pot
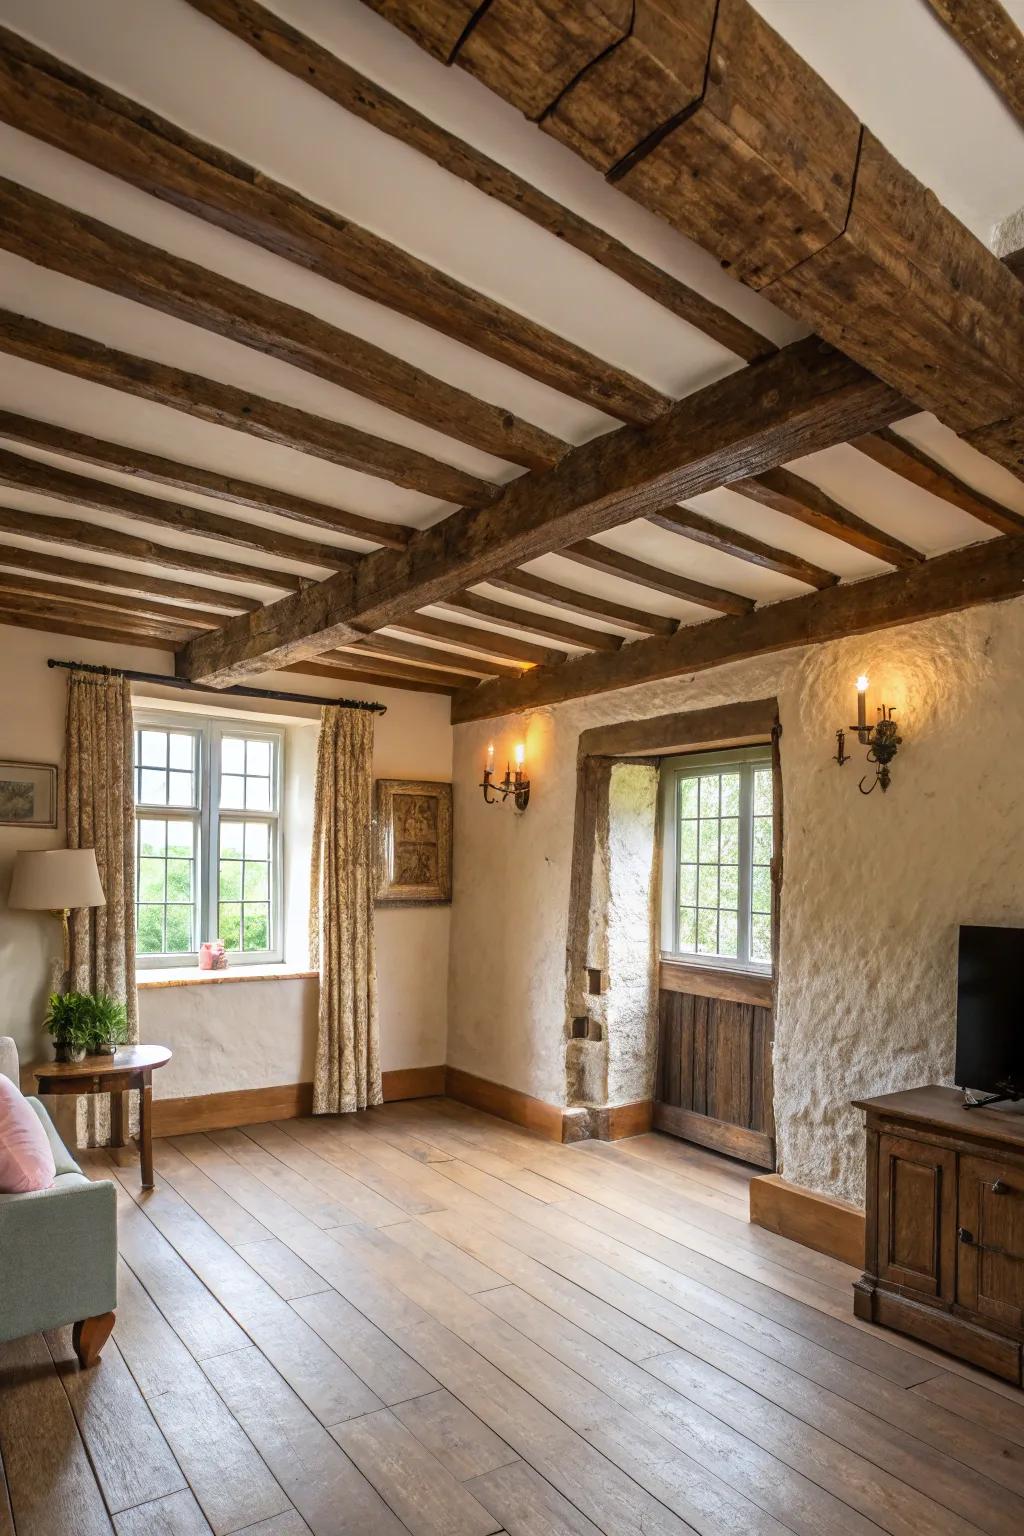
(69, 1053)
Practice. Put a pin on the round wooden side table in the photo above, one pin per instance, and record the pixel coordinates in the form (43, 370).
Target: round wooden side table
(131, 1067)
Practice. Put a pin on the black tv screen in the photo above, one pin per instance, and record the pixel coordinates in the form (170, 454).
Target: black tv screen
(989, 1024)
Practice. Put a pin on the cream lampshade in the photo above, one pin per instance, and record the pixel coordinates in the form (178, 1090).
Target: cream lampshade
(56, 880)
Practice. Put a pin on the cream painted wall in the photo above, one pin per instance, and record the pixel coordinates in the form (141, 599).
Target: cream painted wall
(874, 887)
(236, 1034)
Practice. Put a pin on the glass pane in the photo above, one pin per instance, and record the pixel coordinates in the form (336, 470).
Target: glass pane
(707, 932)
(232, 792)
(230, 926)
(688, 842)
(180, 840)
(180, 790)
(761, 937)
(257, 840)
(688, 885)
(151, 879)
(730, 794)
(179, 879)
(153, 749)
(152, 836)
(728, 935)
(230, 880)
(709, 796)
(256, 927)
(729, 886)
(232, 754)
(687, 930)
(182, 750)
(257, 758)
(179, 930)
(709, 842)
(149, 937)
(153, 786)
(707, 886)
(761, 889)
(689, 792)
(231, 839)
(257, 794)
(762, 792)
(762, 853)
(730, 853)
(257, 882)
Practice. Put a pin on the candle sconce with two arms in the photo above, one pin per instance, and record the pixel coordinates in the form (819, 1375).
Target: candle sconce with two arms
(515, 784)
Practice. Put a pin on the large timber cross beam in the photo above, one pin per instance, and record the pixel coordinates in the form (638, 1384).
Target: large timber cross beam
(804, 398)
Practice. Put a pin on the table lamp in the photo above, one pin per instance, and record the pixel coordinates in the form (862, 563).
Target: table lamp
(56, 880)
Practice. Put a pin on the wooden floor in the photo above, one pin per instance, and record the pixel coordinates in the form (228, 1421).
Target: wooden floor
(422, 1319)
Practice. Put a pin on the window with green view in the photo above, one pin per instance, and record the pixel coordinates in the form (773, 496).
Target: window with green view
(208, 839)
(717, 829)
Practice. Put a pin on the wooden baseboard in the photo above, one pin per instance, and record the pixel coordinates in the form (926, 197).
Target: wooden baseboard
(719, 1135)
(284, 1101)
(618, 1121)
(506, 1103)
(817, 1221)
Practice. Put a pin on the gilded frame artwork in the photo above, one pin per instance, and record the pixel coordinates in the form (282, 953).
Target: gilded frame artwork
(414, 842)
(28, 794)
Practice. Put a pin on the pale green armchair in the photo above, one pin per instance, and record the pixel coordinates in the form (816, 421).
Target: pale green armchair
(58, 1249)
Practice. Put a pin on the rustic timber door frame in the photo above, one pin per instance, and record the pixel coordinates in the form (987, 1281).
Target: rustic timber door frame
(600, 750)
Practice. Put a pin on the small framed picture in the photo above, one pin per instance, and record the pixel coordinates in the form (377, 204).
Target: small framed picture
(28, 794)
(414, 841)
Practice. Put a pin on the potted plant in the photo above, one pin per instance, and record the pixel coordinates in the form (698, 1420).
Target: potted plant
(67, 1023)
(107, 1023)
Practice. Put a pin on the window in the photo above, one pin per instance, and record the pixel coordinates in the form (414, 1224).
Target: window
(717, 831)
(208, 850)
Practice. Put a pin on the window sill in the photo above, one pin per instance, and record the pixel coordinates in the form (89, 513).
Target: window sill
(728, 984)
(186, 976)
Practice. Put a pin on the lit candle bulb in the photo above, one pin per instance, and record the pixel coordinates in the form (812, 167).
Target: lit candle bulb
(489, 765)
(520, 756)
(862, 702)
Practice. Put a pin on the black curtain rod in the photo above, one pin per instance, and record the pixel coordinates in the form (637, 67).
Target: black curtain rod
(166, 680)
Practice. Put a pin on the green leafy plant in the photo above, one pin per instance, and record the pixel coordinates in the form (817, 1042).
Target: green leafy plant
(89, 1022)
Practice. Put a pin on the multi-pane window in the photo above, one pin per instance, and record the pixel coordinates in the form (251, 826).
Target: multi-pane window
(717, 830)
(208, 839)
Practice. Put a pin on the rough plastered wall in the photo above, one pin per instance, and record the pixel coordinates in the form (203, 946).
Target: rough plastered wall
(873, 892)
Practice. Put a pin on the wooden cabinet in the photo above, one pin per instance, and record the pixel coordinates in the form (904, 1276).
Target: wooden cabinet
(945, 1225)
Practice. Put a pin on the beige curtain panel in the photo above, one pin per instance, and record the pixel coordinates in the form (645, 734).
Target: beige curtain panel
(101, 815)
(347, 1072)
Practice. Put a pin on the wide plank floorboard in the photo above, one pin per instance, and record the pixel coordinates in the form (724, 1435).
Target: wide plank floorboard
(424, 1320)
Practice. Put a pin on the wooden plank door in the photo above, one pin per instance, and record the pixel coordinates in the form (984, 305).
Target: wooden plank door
(916, 1216)
(990, 1277)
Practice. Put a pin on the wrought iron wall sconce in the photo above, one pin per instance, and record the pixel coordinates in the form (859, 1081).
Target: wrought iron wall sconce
(882, 740)
(515, 784)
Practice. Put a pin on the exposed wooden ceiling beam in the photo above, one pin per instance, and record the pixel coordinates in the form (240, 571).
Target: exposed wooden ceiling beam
(381, 667)
(526, 652)
(905, 459)
(64, 240)
(760, 162)
(431, 656)
(983, 573)
(185, 477)
(352, 675)
(611, 562)
(526, 584)
(292, 50)
(43, 96)
(805, 501)
(130, 581)
(225, 406)
(145, 624)
(86, 491)
(730, 541)
(1015, 263)
(533, 623)
(116, 633)
(29, 585)
(801, 399)
(80, 534)
(986, 31)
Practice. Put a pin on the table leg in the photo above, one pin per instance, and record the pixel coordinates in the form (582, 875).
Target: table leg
(146, 1129)
(117, 1137)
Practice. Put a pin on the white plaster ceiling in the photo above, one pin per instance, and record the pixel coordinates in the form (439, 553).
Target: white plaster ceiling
(890, 59)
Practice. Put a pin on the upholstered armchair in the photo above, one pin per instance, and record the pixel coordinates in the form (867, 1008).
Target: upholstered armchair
(58, 1248)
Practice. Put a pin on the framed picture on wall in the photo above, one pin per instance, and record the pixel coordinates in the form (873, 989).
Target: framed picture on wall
(28, 794)
(414, 841)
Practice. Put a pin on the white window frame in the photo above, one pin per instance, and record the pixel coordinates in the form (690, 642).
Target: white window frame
(691, 765)
(208, 732)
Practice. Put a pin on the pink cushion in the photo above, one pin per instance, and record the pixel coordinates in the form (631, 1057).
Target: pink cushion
(26, 1159)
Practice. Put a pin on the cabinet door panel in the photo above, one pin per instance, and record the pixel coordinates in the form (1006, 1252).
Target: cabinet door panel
(916, 1216)
(991, 1260)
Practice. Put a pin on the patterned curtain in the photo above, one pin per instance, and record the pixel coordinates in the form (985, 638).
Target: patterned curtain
(101, 815)
(347, 1073)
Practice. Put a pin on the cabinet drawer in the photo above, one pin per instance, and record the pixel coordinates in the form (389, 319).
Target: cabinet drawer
(990, 1269)
(917, 1216)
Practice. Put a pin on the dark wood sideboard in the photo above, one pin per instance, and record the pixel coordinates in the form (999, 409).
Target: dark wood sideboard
(944, 1238)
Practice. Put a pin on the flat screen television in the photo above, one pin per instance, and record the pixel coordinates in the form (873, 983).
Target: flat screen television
(989, 1012)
